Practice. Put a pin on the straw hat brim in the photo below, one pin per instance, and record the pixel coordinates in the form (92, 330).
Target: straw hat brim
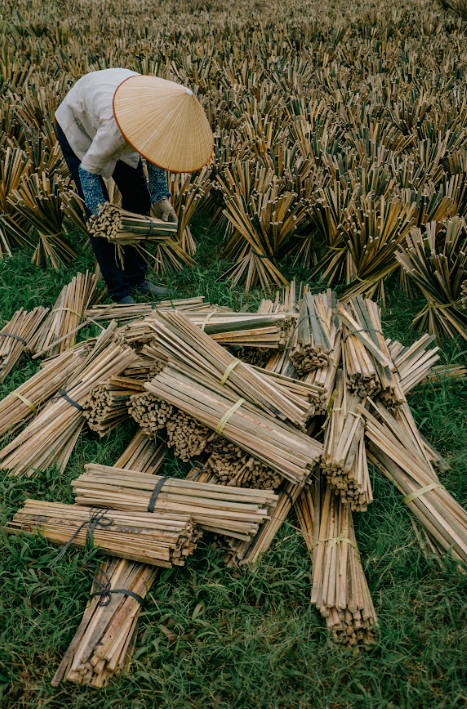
(164, 122)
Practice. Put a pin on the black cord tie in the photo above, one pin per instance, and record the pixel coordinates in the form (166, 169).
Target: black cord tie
(198, 466)
(364, 329)
(97, 519)
(62, 392)
(283, 491)
(15, 337)
(105, 592)
(151, 227)
(155, 493)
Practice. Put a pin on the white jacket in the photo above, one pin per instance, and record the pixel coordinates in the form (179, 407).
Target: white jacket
(86, 117)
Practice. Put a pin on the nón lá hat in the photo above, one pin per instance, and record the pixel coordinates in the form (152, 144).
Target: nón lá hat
(164, 122)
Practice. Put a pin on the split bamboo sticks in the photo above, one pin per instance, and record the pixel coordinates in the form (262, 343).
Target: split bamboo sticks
(231, 511)
(107, 404)
(17, 337)
(121, 227)
(151, 537)
(312, 341)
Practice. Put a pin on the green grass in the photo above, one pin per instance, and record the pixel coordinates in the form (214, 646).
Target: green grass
(219, 638)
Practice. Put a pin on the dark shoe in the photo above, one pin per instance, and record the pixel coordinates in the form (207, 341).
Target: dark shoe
(127, 300)
(148, 287)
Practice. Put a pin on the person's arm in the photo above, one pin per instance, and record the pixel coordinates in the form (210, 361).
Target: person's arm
(92, 190)
(160, 194)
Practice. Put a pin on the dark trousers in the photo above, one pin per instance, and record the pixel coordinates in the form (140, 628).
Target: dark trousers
(135, 198)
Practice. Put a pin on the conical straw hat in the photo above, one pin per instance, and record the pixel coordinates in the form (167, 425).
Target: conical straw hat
(164, 122)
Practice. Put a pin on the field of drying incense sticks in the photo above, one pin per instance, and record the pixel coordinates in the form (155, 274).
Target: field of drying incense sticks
(253, 493)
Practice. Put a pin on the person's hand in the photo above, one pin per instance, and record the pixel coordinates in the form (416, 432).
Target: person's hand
(164, 210)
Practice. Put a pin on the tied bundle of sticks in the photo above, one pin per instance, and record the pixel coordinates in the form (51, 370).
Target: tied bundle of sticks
(104, 641)
(396, 453)
(413, 363)
(121, 312)
(259, 330)
(59, 330)
(155, 538)
(340, 590)
(150, 412)
(26, 400)
(102, 646)
(186, 436)
(178, 340)
(312, 340)
(235, 512)
(107, 404)
(366, 357)
(232, 466)
(344, 457)
(279, 446)
(324, 378)
(17, 336)
(121, 227)
(51, 436)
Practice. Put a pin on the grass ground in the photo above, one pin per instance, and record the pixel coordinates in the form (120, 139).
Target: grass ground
(226, 639)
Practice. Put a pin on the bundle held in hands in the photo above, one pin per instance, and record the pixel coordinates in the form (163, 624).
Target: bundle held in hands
(121, 227)
(154, 538)
(232, 511)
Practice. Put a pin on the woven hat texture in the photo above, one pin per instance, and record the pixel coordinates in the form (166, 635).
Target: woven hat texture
(164, 122)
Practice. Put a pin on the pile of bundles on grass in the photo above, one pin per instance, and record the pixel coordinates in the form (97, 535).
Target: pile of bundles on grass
(260, 442)
(314, 160)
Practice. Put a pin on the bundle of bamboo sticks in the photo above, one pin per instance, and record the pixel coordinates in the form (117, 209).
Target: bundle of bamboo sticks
(367, 360)
(17, 337)
(288, 451)
(154, 538)
(27, 399)
(52, 435)
(442, 517)
(122, 313)
(344, 457)
(103, 644)
(59, 330)
(265, 330)
(312, 340)
(107, 404)
(150, 412)
(234, 467)
(186, 436)
(122, 227)
(340, 590)
(413, 363)
(236, 512)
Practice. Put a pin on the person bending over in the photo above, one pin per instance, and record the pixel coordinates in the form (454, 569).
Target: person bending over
(107, 121)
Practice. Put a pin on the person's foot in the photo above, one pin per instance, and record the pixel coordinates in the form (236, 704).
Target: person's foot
(127, 300)
(148, 287)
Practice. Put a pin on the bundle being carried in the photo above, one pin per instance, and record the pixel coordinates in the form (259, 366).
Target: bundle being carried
(107, 404)
(121, 227)
(17, 337)
(154, 538)
(235, 512)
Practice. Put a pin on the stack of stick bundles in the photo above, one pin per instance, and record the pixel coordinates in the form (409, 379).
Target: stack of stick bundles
(340, 590)
(106, 405)
(344, 457)
(121, 227)
(58, 331)
(366, 357)
(177, 340)
(52, 435)
(314, 336)
(235, 512)
(158, 538)
(27, 399)
(17, 337)
(104, 641)
(402, 457)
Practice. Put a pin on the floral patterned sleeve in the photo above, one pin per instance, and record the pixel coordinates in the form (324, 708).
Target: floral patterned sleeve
(92, 189)
(157, 183)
